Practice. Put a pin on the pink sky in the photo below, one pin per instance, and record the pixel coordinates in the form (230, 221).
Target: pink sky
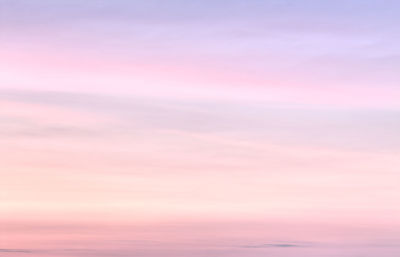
(218, 128)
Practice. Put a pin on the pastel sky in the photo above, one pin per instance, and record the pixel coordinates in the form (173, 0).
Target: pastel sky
(213, 128)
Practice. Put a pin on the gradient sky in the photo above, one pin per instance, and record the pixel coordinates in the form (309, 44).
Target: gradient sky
(224, 128)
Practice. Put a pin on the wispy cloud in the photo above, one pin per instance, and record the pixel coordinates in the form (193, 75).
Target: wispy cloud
(275, 245)
(108, 115)
(16, 251)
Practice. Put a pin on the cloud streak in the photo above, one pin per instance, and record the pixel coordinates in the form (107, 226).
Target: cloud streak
(275, 245)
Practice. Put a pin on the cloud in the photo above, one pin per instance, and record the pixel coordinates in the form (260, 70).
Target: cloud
(274, 245)
(66, 251)
(347, 128)
(15, 251)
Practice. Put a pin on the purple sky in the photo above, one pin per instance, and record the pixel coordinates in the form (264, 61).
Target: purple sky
(200, 128)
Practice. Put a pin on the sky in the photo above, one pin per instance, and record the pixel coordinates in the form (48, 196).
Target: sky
(178, 128)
